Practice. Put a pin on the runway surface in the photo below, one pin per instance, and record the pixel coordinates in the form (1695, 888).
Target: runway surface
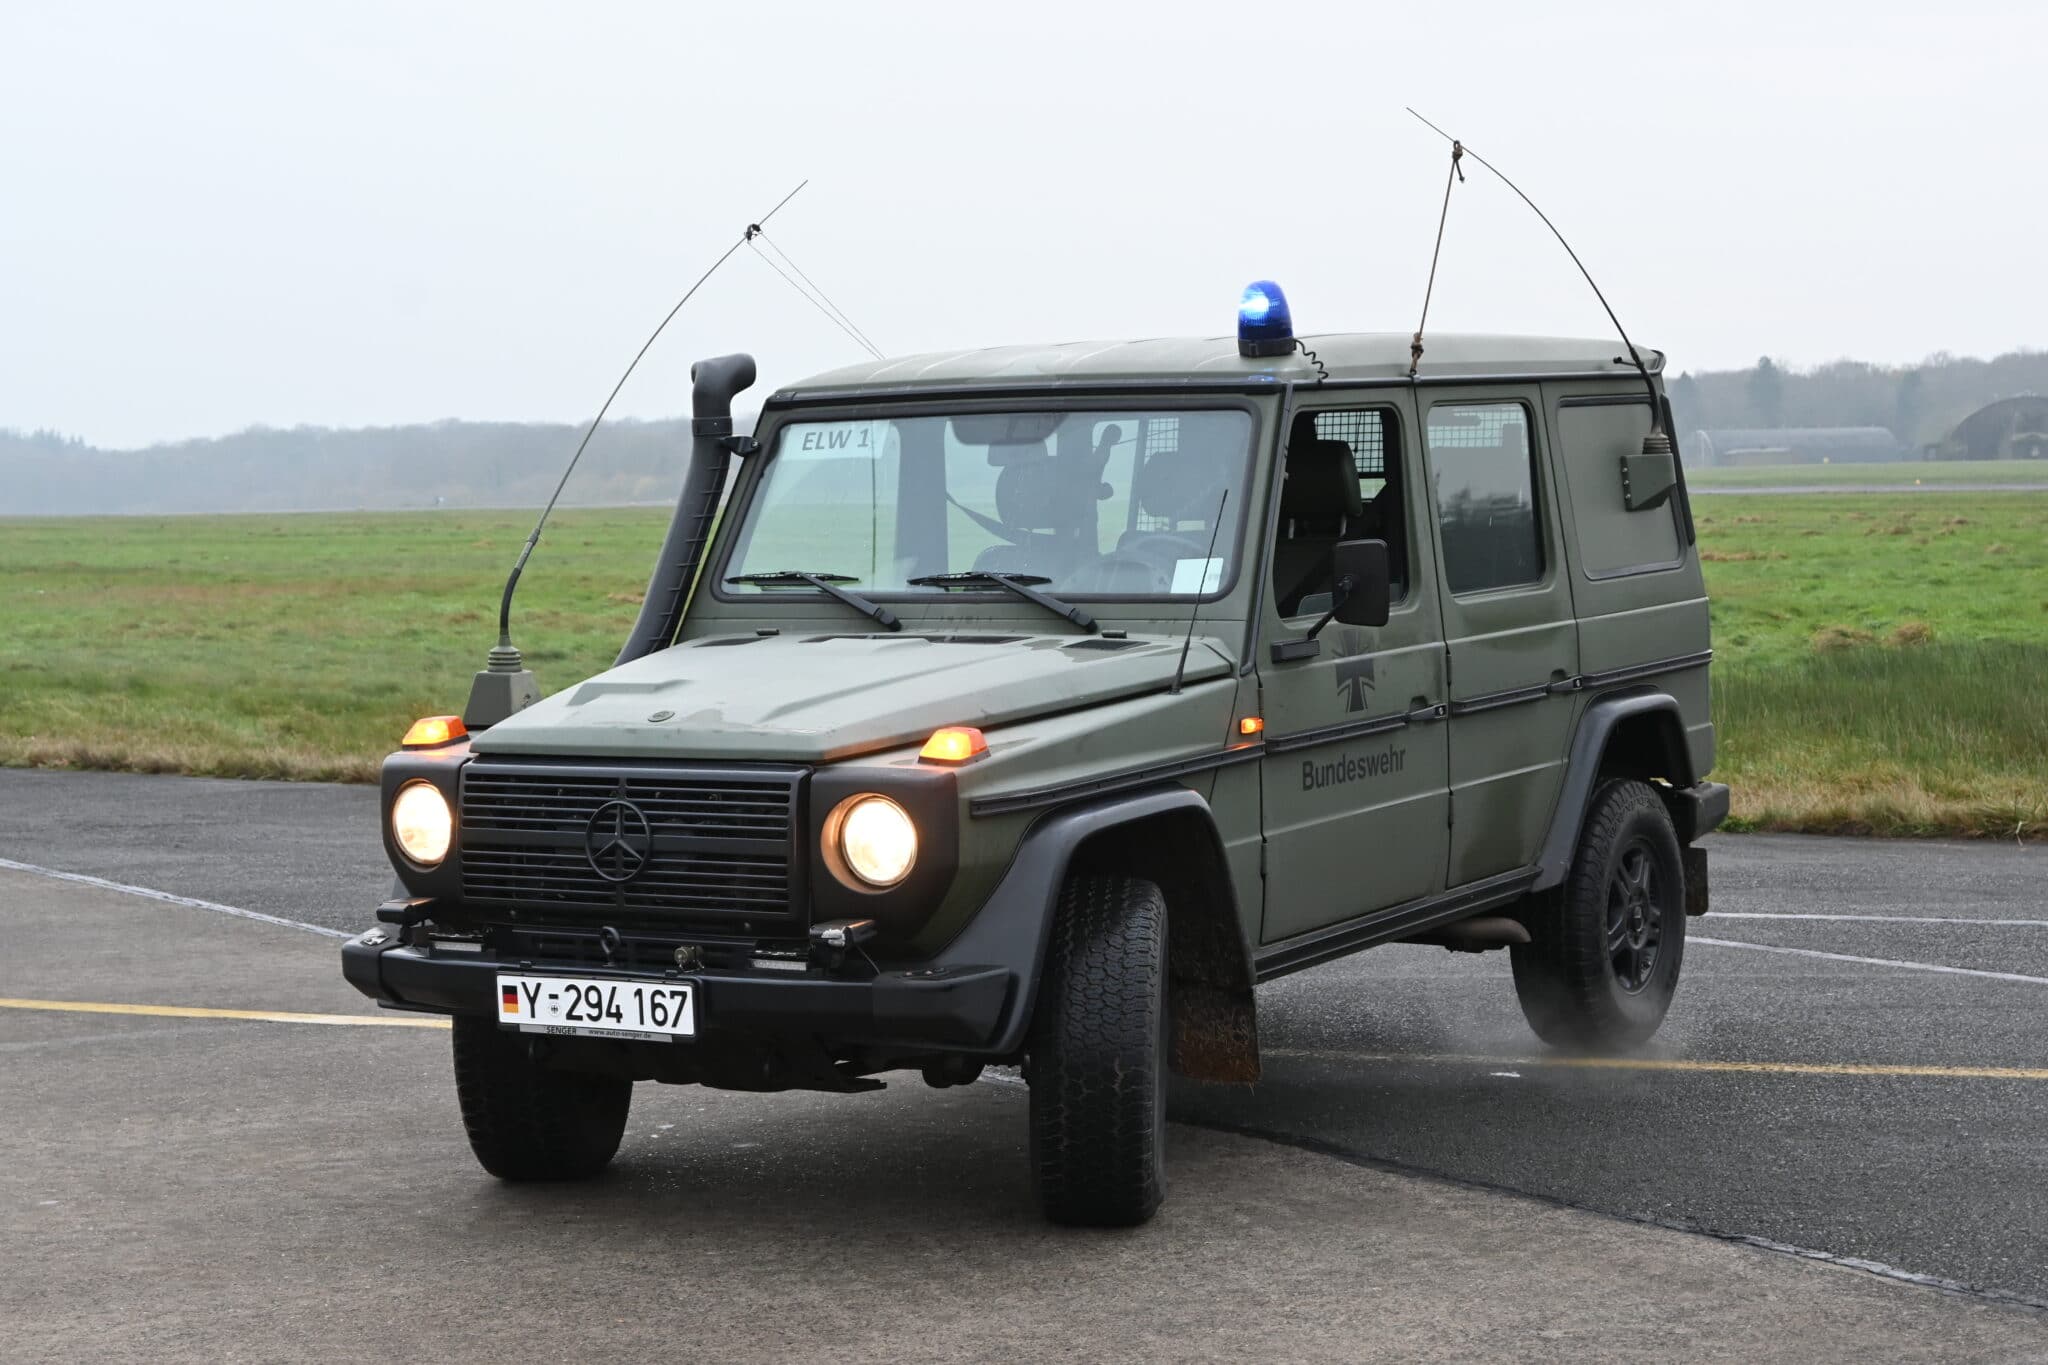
(1892, 1109)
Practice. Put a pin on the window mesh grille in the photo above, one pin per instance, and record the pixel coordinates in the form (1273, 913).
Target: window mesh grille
(1364, 431)
(1496, 426)
(1161, 434)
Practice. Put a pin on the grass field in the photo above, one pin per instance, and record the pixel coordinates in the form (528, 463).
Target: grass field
(1879, 659)
(1929, 473)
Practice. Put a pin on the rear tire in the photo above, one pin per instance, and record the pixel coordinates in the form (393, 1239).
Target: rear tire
(1605, 950)
(1098, 1056)
(526, 1122)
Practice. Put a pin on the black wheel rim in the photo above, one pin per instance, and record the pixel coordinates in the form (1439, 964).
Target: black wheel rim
(1635, 916)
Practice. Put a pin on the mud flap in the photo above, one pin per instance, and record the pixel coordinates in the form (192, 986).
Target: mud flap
(1215, 1034)
(1695, 880)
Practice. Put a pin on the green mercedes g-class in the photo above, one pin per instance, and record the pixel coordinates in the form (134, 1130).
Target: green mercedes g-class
(1032, 705)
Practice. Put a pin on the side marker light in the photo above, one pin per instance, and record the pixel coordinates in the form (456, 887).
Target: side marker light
(1251, 725)
(953, 744)
(432, 731)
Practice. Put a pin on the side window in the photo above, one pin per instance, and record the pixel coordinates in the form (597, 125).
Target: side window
(1343, 482)
(1593, 438)
(1483, 462)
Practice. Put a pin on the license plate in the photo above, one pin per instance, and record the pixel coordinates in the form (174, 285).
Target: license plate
(592, 1008)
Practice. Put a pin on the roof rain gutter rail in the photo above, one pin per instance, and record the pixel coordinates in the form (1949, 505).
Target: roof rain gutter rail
(1236, 385)
(712, 444)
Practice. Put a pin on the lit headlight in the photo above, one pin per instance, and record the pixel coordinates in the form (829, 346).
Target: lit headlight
(421, 823)
(873, 838)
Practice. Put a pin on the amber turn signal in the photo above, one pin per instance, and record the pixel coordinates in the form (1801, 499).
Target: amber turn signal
(954, 744)
(1251, 725)
(431, 731)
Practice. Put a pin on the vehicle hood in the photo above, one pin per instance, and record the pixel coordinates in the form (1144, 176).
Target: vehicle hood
(814, 698)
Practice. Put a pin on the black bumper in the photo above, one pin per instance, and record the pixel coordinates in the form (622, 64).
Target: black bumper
(942, 1006)
(1698, 809)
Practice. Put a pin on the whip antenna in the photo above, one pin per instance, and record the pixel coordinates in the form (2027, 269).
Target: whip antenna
(1658, 441)
(506, 686)
(1207, 560)
(504, 656)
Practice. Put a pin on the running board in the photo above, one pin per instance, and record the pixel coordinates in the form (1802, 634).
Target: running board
(1384, 926)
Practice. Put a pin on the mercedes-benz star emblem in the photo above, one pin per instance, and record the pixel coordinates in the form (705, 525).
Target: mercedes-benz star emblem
(618, 841)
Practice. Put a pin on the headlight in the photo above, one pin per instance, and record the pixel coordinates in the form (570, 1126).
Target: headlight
(872, 838)
(422, 823)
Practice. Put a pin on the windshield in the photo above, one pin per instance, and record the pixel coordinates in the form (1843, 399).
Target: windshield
(1092, 504)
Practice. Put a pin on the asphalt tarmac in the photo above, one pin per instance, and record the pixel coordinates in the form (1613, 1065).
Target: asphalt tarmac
(191, 1185)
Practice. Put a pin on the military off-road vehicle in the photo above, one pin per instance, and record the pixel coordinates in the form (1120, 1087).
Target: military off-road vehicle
(1031, 706)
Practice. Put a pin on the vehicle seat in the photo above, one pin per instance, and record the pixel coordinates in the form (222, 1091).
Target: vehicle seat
(1179, 486)
(1033, 501)
(1319, 506)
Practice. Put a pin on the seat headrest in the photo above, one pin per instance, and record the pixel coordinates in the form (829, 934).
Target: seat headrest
(1322, 483)
(1031, 496)
(1183, 485)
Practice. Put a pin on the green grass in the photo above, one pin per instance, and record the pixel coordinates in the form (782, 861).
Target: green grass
(287, 646)
(1878, 658)
(1931, 473)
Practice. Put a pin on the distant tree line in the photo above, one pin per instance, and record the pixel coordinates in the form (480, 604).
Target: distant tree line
(511, 464)
(1920, 404)
(452, 464)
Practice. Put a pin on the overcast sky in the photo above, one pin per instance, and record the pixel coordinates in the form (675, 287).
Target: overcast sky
(213, 216)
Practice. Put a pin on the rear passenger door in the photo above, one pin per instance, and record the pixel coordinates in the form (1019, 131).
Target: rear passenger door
(1512, 643)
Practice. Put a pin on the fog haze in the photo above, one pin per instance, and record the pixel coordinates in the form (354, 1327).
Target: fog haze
(225, 215)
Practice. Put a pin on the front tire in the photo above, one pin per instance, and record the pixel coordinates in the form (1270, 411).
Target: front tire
(1098, 1056)
(526, 1122)
(1602, 964)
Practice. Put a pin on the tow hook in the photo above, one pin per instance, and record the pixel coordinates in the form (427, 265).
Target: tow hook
(832, 939)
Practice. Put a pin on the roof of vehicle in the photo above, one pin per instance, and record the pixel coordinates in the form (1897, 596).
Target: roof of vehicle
(1347, 356)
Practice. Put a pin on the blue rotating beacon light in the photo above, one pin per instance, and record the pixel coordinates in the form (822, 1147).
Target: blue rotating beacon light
(1264, 325)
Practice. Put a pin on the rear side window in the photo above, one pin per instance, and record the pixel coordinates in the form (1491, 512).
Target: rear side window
(1483, 463)
(1593, 438)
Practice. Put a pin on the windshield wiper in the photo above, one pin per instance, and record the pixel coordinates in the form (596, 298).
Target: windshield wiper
(1018, 584)
(827, 583)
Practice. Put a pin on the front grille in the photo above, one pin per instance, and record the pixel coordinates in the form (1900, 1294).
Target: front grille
(719, 845)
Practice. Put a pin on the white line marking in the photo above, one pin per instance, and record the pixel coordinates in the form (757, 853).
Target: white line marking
(103, 884)
(1869, 961)
(1880, 919)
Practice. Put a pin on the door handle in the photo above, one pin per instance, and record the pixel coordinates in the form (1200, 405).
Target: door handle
(1422, 710)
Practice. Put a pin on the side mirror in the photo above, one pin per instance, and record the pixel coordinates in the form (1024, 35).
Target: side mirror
(1364, 582)
(1362, 586)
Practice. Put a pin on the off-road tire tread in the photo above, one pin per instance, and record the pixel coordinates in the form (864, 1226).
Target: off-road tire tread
(1562, 977)
(526, 1122)
(1096, 1050)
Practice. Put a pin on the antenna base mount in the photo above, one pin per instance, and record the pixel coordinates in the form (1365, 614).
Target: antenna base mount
(504, 688)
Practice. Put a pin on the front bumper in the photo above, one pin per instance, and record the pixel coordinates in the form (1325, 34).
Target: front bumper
(947, 1006)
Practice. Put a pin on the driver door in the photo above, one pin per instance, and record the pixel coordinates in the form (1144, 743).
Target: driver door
(1355, 780)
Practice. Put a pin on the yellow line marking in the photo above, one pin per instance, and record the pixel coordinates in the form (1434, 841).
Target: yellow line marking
(1984, 1073)
(196, 1012)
